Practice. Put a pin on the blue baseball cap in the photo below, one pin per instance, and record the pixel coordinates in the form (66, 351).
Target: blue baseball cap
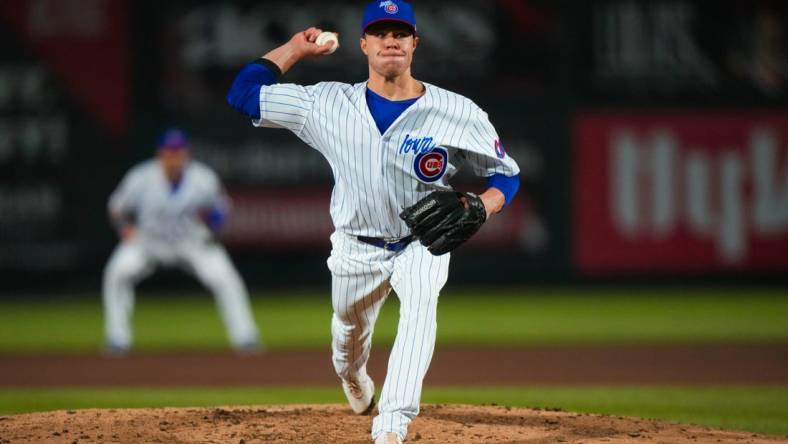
(388, 11)
(173, 139)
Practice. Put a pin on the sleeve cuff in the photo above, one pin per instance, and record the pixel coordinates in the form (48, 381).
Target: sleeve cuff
(273, 67)
(506, 185)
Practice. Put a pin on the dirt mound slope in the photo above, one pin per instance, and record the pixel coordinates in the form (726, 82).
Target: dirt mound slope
(335, 424)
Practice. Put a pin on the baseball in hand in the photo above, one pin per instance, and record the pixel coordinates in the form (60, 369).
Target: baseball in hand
(328, 37)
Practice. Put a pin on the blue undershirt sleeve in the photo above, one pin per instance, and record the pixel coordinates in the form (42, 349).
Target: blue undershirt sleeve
(507, 185)
(244, 94)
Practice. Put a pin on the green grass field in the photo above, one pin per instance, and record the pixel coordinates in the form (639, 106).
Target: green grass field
(536, 316)
(469, 317)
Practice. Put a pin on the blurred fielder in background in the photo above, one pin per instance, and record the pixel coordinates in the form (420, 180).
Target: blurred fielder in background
(393, 144)
(167, 211)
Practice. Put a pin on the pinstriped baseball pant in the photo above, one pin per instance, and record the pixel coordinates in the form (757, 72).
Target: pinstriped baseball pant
(362, 277)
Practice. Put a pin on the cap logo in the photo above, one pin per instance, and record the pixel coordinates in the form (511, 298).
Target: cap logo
(389, 6)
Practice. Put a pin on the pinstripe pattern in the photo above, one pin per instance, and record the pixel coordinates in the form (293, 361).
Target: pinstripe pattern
(417, 278)
(374, 179)
(362, 278)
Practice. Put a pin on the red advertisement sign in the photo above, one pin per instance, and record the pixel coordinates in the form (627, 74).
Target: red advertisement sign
(285, 218)
(301, 219)
(680, 192)
(85, 44)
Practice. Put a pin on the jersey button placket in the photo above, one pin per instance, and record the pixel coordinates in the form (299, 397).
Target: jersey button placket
(383, 184)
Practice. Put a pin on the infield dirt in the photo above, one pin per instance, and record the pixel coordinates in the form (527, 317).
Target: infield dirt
(700, 364)
(336, 424)
(599, 364)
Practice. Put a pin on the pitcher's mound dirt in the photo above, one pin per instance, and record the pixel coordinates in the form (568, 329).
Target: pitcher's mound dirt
(334, 424)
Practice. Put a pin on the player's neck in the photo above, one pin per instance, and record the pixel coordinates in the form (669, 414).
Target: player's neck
(402, 87)
(172, 176)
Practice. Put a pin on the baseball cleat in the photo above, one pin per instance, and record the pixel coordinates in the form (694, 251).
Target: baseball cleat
(249, 349)
(360, 394)
(116, 351)
(388, 438)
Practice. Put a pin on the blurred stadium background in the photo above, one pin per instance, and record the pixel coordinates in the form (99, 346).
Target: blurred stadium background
(652, 137)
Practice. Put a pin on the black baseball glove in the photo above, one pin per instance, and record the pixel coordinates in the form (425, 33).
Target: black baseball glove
(445, 219)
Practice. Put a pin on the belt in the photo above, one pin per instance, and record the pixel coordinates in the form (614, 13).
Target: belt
(396, 245)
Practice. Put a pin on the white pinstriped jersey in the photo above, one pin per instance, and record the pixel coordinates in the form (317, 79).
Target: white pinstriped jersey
(164, 215)
(375, 175)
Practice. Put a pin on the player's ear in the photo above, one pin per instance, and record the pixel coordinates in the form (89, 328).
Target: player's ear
(415, 42)
(363, 44)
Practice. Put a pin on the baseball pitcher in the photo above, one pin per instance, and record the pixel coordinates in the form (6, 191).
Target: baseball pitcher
(166, 211)
(393, 143)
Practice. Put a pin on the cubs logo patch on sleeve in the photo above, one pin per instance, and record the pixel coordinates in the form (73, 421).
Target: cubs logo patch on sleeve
(500, 151)
(430, 166)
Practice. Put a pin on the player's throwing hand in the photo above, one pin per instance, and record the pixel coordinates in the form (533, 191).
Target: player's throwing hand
(304, 44)
(301, 46)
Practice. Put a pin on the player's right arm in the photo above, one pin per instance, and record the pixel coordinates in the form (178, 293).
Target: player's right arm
(301, 46)
(254, 91)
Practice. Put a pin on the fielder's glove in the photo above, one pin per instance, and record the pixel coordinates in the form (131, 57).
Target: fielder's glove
(445, 219)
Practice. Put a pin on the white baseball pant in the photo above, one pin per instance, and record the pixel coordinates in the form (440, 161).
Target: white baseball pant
(134, 260)
(362, 277)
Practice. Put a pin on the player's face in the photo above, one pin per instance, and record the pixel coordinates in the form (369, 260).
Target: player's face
(389, 47)
(173, 161)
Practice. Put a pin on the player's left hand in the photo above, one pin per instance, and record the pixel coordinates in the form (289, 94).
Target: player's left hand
(128, 232)
(443, 220)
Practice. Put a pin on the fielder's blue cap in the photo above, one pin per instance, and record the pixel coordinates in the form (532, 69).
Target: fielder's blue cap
(388, 11)
(173, 139)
